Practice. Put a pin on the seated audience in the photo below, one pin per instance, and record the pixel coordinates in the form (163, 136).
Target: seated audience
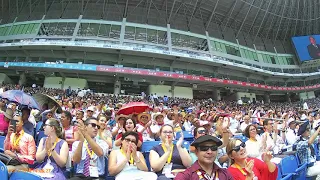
(305, 149)
(143, 126)
(291, 134)
(205, 167)
(255, 145)
(52, 153)
(70, 131)
(5, 118)
(104, 133)
(129, 125)
(167, 157)
(89, 152)
(127, 162)
(244, 168)
(28, 121)
(19, 145)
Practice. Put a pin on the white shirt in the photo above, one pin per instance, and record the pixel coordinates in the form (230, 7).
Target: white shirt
(291, 137)
(234, 124)
(145, 134)
(243, 126)
(240, 102)
(254, 148)
(305, 105)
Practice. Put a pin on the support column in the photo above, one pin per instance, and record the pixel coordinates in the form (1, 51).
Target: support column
(216, 94)
(169, 37)
(266, 98)
(22, 79)
(76, 29)
(288, 98)
(117, 87)
(172, 91)
(123, 30)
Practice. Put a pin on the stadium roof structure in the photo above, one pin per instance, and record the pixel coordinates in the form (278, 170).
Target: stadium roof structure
(273, 19)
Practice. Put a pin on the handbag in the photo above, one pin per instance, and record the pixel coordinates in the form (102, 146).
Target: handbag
(8, 160)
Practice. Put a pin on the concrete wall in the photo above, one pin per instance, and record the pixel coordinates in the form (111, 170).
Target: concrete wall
(74, 83)
(240, 95)
(5, 79)
(307, 95)
(162, 90)
(53, 82)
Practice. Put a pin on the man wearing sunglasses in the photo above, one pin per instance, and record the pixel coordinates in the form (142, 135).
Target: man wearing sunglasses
(205, 167)
(88, 153)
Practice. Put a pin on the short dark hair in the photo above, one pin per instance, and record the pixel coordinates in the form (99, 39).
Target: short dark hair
(132, 133)
(265, 122)
(247, 130)
(86, 122)
(134, 123)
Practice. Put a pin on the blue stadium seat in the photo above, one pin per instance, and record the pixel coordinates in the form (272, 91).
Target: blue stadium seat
(186, 144)
(242, 138)
(280, 175)
(106, 171)
(39, 135)
(146, 157)
(187, 135)
(289, 165)
(148, 145)
(3, 171)
(2, 138)
(24, 175)
(38, 126)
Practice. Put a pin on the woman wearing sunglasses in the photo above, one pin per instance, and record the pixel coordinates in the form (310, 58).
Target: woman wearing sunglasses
(127, 162)
(52, 152)
(244, 168)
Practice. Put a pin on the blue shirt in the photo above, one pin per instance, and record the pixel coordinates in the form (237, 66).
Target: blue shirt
(28, 128)
(304, 152)
(100, 160)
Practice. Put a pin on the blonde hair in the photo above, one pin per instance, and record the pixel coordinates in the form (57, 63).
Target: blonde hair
(57, 127)
(229, 148)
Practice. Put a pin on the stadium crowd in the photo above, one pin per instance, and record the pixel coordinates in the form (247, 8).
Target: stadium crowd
(230, 140)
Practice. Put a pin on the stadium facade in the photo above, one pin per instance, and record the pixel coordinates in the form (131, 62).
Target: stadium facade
(183, 48)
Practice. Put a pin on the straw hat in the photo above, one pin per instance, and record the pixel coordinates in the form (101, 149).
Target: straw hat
(158, 114)
(144, 114)
(121, 116)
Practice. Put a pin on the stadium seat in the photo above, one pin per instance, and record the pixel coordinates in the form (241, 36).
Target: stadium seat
(289, 165)
(2, 138)
(3, 171)
(187, 135)
(186, 144)
(38, 126)
(24, 175)
(148, 145)
(106, 171)
(40, 135)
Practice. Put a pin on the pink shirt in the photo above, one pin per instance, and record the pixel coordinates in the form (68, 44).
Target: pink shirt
(26, 147)
(3, 124)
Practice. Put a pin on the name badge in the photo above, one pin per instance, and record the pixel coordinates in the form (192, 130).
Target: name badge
(93, 171)
(167, 169)
(93, 163)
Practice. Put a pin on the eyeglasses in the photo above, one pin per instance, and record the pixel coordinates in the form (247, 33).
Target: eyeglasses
(206, 148)
(130, 140)
(237, 148)
(202, 131)
(167, 132)
(254, 129)
(95, 125)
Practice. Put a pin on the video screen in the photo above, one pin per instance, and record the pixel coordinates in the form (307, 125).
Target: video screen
(307, 47)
